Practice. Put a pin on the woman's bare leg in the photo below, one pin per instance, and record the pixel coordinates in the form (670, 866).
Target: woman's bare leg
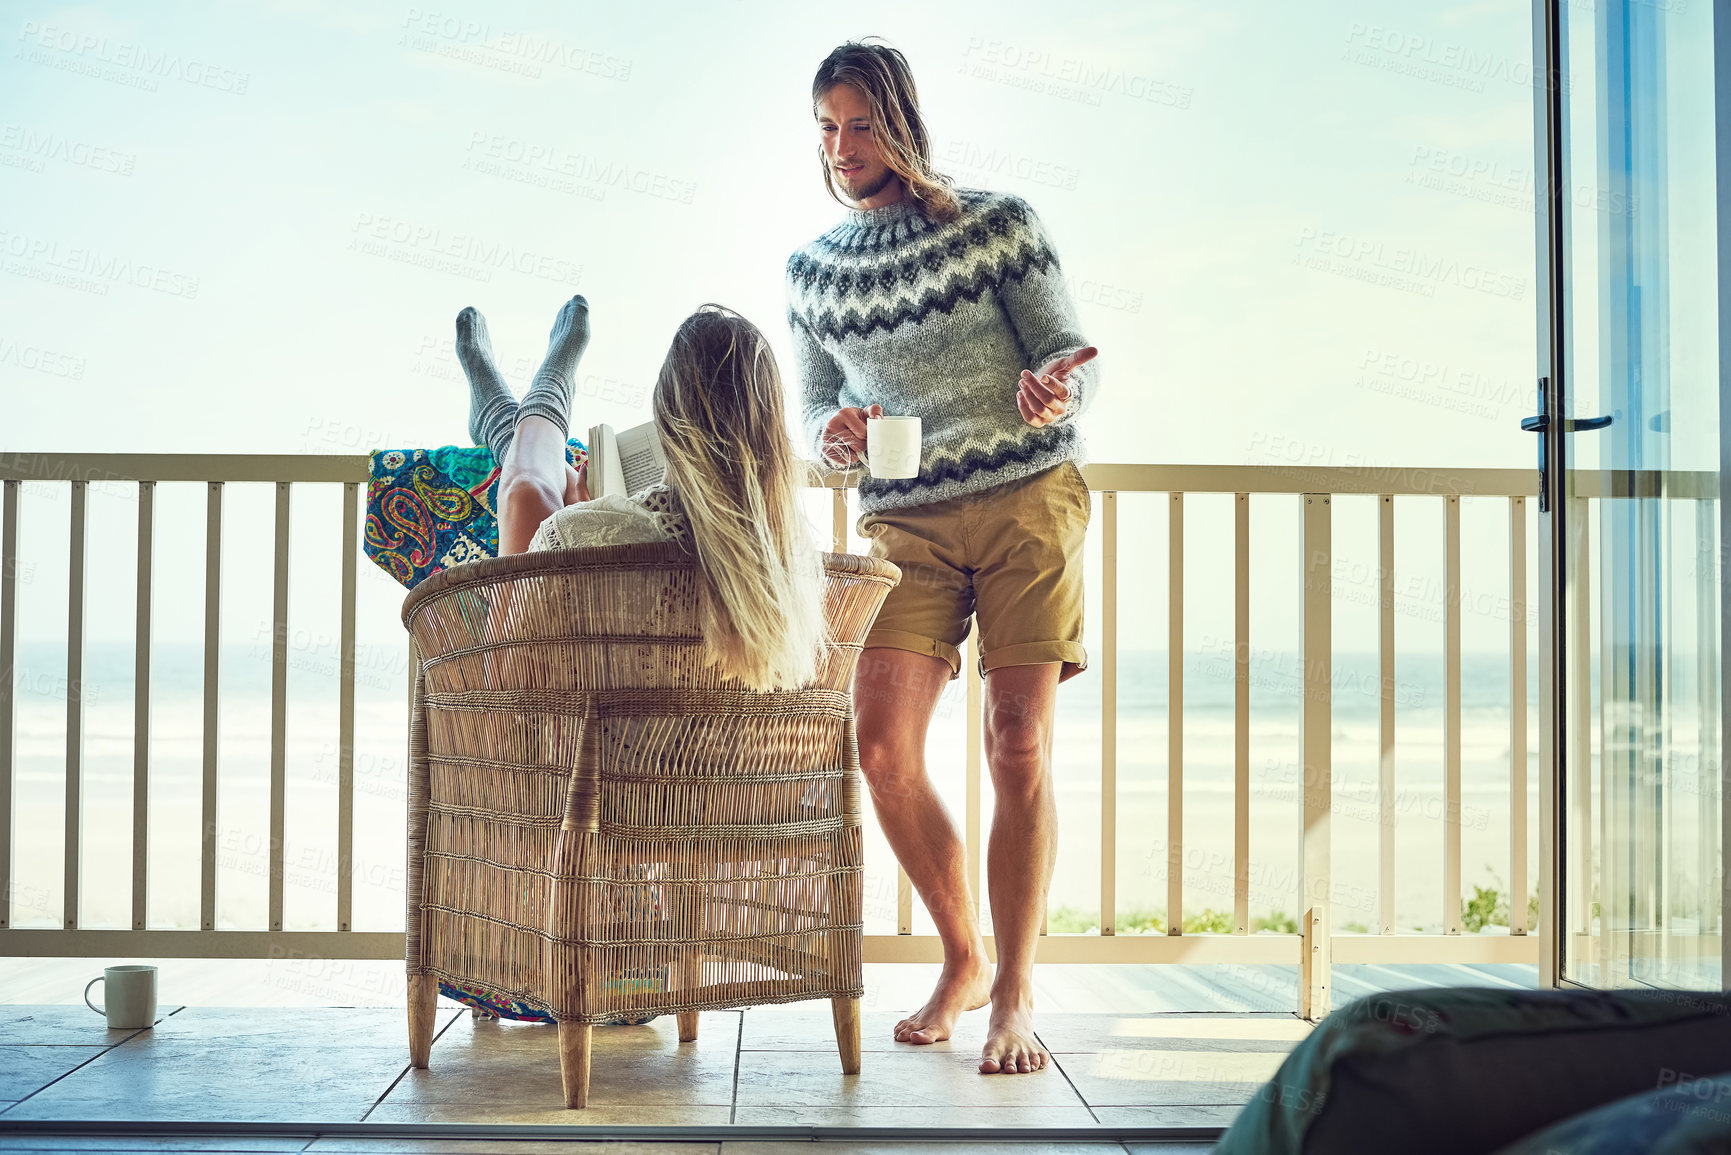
(527, 437)
(532, 483)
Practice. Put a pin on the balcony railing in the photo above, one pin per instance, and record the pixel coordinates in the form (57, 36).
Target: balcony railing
(1313, 949)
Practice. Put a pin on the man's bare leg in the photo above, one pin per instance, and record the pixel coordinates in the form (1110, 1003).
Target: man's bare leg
(534, 482)
(895, 692)
(1020, 854)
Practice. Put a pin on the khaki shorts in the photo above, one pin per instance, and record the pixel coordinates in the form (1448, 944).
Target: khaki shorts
(1009, 556)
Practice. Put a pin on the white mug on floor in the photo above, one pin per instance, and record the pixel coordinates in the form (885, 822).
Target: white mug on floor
(893, 446)
(128, 996)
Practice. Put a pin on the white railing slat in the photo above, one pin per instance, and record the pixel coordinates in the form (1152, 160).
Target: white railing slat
(1175, 717)
(904, 902)
(75, 589)
(278, 700)
(1385, 726)
(346, 712)
(1578, 628)
(141, 706)
(1241, 714)
(1452, 715)
(1109, 713)
(8, 674)
(971, 766)
(212, 716)
(1709, 843)
(1517, 715)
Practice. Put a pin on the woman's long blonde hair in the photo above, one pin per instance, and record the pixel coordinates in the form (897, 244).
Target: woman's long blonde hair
(719, 410)
(883, 77)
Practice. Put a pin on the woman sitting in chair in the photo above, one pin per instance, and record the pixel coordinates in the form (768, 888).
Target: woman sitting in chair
(730, 496)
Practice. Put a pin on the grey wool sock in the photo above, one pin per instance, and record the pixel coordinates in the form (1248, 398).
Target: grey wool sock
(492, 409)
(549, 395)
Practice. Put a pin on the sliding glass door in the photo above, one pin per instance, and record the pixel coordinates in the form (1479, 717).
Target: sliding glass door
(1631, 426)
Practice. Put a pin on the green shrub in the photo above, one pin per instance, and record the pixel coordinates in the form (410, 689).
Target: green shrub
(1277, 921)
(1208, 922)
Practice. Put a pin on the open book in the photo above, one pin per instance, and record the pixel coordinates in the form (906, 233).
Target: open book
(624, 462)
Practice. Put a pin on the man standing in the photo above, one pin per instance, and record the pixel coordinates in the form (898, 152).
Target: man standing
(948, 304)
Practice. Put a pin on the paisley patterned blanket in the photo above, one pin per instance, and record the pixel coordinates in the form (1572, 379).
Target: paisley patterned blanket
(430, 509)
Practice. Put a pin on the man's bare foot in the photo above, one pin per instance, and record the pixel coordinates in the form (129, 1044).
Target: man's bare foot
(963, 986)
(1011, 1048)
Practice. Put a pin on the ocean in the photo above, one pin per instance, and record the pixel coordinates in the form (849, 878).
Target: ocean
(310, 860)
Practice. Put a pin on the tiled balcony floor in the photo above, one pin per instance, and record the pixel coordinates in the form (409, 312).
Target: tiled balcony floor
(763, 1066)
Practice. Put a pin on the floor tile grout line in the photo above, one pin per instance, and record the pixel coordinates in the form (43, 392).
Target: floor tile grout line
(1081, 1097)
(408, 1067)
(106, 1048)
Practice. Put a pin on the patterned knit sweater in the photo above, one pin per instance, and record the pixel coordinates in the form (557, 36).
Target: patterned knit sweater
(938, 321)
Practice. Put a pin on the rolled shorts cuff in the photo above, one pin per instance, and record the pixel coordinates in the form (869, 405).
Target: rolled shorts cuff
(917, 643)
(1072, 654)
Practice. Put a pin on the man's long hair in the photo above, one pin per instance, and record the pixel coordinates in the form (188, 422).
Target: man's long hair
(883, 77)
(721, 417)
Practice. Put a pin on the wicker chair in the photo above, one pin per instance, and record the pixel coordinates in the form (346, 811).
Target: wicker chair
(601, 827)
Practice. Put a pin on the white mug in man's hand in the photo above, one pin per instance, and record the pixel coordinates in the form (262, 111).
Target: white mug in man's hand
(893, 446)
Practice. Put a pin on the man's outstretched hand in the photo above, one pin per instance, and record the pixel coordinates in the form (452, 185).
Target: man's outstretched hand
(844, 438)
(1042, 397)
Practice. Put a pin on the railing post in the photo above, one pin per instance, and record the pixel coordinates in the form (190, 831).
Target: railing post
(1317, 718)
(1313, 964)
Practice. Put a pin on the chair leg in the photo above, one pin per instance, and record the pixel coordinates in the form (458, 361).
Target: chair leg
(846, 1013)
(690, 975)
(423, 998)
(574, 1062)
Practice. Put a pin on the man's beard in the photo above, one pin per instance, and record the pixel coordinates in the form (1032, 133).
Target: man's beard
(866, 192)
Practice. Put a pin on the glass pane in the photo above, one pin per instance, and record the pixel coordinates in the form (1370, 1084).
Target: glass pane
(1642, 841)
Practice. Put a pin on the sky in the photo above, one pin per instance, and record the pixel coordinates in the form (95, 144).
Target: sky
(1299, 234)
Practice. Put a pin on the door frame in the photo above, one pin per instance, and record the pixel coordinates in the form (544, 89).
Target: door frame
(1551, 222)
(1722, 183)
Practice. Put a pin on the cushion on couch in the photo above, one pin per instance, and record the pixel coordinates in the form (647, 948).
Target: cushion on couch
(1690, 1116)
(1462, 1070)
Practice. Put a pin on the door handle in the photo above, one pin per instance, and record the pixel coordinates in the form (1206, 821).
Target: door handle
(1540, 423)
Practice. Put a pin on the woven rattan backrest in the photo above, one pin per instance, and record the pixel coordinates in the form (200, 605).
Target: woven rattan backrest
(530, 621)
(600, 822)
